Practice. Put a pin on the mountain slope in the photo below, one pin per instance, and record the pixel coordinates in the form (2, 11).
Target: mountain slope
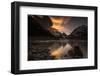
(40, 28)
(79, 33)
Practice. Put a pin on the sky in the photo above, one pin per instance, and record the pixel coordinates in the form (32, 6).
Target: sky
(67, 24)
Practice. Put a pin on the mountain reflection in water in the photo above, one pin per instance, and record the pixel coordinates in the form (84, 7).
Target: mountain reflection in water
(62, 49)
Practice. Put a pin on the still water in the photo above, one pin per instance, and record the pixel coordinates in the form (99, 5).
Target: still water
(57, 49)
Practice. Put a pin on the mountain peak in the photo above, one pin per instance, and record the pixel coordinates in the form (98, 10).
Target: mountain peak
(79, 33)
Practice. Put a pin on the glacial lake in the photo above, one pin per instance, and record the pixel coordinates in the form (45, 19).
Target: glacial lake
(57, 49)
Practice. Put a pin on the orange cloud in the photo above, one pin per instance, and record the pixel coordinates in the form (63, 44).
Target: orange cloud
(60, 24)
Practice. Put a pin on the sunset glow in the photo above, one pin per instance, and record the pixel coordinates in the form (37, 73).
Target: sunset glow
(61, 24)
(57, 23)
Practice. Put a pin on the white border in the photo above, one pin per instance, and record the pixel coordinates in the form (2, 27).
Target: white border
(26, 65)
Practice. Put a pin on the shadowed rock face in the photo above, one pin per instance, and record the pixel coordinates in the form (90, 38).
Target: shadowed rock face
(40, 27)
(37, 26)
(79, 33)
